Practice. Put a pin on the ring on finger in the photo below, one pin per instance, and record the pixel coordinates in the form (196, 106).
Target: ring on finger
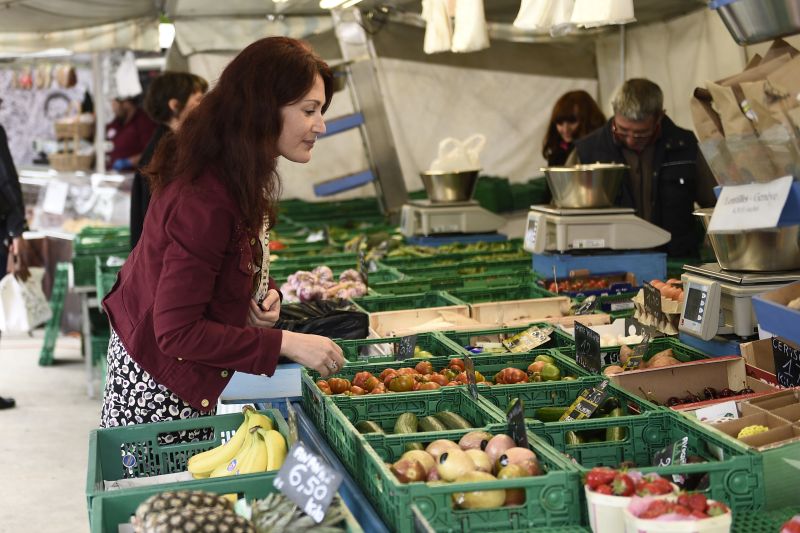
(333, 366)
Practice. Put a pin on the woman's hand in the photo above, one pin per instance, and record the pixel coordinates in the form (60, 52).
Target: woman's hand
(18, 259)
(313, 351)
(265, 315)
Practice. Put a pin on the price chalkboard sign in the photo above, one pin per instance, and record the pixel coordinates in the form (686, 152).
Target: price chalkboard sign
(587, 348)
(787, 362)
(404, 349)
(363, 267)
(586, 403)
(674, 454)
(308, 481)
(516, 423)
(652, 301)
(472, 385)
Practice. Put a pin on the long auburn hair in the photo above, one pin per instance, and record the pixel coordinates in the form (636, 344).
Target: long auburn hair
(574, 104)
(234, 130)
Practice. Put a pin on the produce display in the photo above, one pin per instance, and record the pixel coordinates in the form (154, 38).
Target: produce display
(604, 480)
(687, 507)
(709, 393)
(751, 430)
(477, 457)
(672, 289)
(277, 514)
(658, 360)
(255, 447)
(410, 423)
(319, 284)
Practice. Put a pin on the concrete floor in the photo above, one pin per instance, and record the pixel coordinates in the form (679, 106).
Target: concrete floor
(44, 440)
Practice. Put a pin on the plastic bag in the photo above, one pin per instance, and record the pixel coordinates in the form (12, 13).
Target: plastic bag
(335, 319)
(536, 15)
(23, 305)
(470, 33)
(455, 155)
(438, 30)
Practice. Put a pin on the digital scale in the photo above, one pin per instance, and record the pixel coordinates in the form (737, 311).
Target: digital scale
(554, 229)
(423, 217)
(719, 302)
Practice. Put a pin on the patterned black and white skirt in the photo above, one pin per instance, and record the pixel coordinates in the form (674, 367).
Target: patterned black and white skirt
(132, 397)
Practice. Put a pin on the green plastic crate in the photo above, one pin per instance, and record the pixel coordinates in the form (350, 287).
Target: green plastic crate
(737, 479)
(344, 412)
(105, 277)
(376, 304)
(557, 394)
(444, 259)
(524, 291)
(448, 283)
(610, 355)
(111, 510)
(463, 339)
(551, 500)
(493, 193)
(383, 275)
(100, 346)
(763, 522)
(381, 350)
(468, 267)
(108, 446)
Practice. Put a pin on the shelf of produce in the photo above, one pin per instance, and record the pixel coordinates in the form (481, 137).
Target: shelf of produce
(383, 349)
(609, 355)
(376, 304)
(469, 338)
(523, 291)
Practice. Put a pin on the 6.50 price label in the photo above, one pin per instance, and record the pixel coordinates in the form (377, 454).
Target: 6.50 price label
(308, 481)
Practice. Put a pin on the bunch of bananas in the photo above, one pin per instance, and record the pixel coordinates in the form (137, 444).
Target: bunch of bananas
(255, 447)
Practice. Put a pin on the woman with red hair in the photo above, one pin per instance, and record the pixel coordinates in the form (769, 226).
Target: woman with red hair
(575, 114)
(194, 301)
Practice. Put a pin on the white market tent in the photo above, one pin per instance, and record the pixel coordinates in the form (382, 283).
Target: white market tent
(505, 92)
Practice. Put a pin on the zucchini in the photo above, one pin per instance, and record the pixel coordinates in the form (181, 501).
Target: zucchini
(452, 420)
(431, 423)
(615, 433)
(550, 414)
(608, 405)
(572, 438)
(406, 423)
(368, 426)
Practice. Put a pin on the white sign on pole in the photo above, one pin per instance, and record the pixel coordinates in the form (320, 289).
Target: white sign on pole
(752, 206)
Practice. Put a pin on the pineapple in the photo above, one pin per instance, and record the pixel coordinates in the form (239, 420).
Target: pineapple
(199, 520)
(277, 514)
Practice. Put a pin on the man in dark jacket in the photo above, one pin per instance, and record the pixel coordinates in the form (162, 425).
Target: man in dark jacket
(12, 220)
(667, 173)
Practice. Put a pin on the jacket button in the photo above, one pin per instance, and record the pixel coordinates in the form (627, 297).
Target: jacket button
(204, 403)
(180, 358)
(252, 242)
(250, 266)
(224, 373)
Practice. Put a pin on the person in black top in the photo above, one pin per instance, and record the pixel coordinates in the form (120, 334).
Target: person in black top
(169, 98)
(667, 174)
(575, 115)
(12, 222)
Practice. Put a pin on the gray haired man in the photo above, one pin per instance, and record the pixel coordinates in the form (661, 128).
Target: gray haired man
(667, 173)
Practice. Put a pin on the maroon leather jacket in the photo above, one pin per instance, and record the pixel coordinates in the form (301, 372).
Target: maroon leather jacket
(181, 300)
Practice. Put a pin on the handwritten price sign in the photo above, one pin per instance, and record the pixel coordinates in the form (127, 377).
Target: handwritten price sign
(306, 480)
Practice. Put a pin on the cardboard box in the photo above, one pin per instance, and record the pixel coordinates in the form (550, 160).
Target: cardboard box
(523, 312)
(410, 321)
(778, 400)
(789, 413)
(660, 384)
(733, 427)
(773, 314)
(759, 360)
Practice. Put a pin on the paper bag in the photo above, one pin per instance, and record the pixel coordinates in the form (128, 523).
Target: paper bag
(23, 305)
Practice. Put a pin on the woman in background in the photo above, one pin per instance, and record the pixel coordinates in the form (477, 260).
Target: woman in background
(169, 99)
(575, 114)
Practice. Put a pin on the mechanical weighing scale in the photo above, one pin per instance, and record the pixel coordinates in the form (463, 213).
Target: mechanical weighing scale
(424, 217)
(563, 240)
(719, 302)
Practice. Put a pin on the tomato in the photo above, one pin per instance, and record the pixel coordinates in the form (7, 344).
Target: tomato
(429, 386)
(386, 372)
(449, 374)
(371, 383)
(339, 385)
(406, 371)
(378, 389)
(462, 378)
(360, 379)
(536, 366)
(324, 387)
(453, 384)
(401, 384)
(276, 245)
(456, 364)
(357, 391)
(425, 367)
(438, 378)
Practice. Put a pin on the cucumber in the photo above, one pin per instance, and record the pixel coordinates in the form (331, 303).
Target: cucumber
(572, 438)
(608, 405)
(452, 420)
(615, 433)
(550, 414)
(431, 423)
(406, 423)
(368, 426)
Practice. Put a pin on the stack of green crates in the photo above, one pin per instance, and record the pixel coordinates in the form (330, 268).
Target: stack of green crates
(94, 242)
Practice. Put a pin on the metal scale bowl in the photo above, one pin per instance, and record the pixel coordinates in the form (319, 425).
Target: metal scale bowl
(718, 296)
(449, 208)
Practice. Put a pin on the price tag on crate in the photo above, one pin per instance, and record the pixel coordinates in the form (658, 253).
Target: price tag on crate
(674, 454)
(588, 306)
(652, 301)
(636, 358)
(516, 422)
(363, 267)
(472, 384)
(787, 362)
(404, 349)
(587, 348)
(586, 403)
(308, 481)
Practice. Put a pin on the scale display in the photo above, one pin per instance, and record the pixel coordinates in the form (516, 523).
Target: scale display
(701, 307)
(695, 305)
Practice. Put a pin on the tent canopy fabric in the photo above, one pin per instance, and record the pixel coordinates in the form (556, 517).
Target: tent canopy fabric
(45, 16)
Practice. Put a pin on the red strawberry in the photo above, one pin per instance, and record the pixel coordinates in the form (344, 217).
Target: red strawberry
(623, 485)
(792, 526)
(699, 514)
(716, 509)
(697, 502)
(604, 489)
(683, 499)
(681, 510)
(662, 485)
(647, 489)
(656, 509)
(600, 476)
